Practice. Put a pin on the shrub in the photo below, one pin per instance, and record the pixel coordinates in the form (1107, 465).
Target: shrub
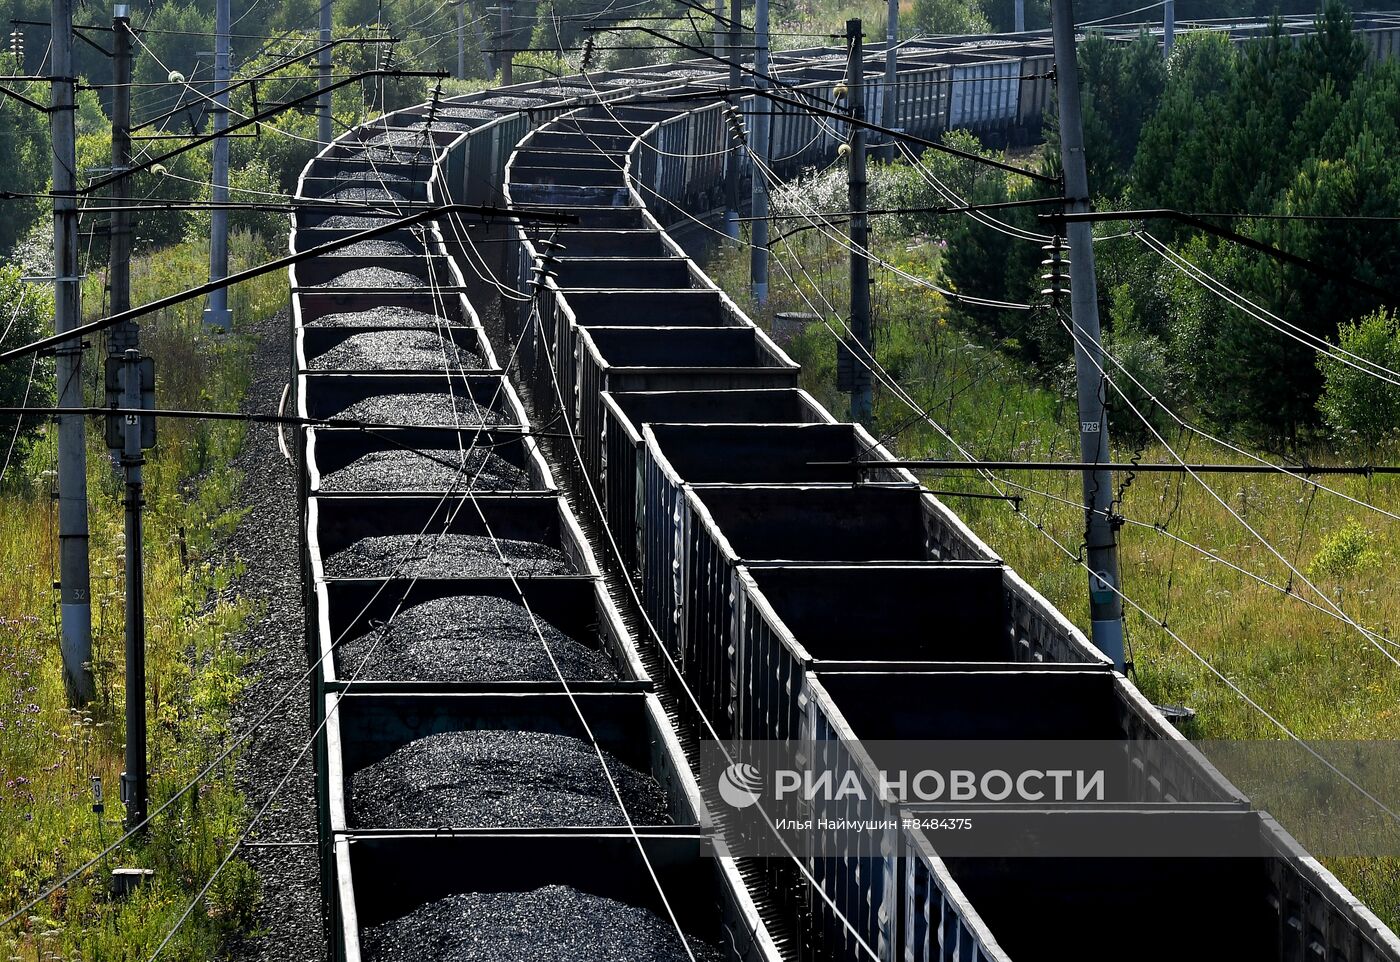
(1355, 404)
(1349, 550)
(25, 309)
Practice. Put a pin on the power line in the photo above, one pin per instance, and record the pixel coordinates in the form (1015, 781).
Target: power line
(903, 396)
(1357, 218)
(1125, 13)
(1290, 330)
(985, 471)
(818, 223)
(999, 226)
(256, 727)
(278, 264)
(659, 646)
(233, 849)
(1191, 220)
(1107, 379)
(1219, 675)
(963, 209)
(1363, 470)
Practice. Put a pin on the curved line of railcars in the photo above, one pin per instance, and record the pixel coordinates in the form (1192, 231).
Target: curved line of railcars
(372, 874)
(723, 610)
(736, 527)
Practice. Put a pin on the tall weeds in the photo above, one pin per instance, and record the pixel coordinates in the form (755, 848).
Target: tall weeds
(50, 754)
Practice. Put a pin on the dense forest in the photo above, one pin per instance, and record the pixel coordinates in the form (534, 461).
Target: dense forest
(1291, 142)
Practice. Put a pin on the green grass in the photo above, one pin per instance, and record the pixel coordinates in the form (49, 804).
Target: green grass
(1319, 677)
(49, 752)
(826, 20)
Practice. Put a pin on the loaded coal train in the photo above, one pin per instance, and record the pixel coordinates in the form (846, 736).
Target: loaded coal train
(522, 615)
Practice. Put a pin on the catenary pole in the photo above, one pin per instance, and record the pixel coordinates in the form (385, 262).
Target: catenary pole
(858, 226)
(889, 111)
(134, 788)
(758, 260)
(75, 596)
(216, 312)
(123, 336)
(507, 43)
(731, 180)
(1100, 532)
(461, 6)
(483, 44)
(323, 60)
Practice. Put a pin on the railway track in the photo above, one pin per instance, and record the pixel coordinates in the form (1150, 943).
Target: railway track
(533, 618)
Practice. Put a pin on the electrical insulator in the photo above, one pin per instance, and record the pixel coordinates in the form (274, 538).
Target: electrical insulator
(736, 124)
(1057, 272)
(17, 44)
(432, 102)
(587, 53)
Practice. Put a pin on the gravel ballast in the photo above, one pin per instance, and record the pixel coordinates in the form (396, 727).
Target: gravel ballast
(282, 846)
(392, 316)
(484, 778)
(413, 350)
(555, 922)
(376, 277)
(443, 556)
(420, 408)
(399, 469)
(469, 638)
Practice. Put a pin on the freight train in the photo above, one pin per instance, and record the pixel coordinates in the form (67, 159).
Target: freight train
(522, 617)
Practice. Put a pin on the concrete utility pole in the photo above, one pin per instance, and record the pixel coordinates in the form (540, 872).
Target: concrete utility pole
(216, 313)
(507, 43)
(482, 43)
(134, 781)
(323, 128)
(889, 112)
(719, 32)
(461, 6)
(758, 261)
(123, 336)
(75, 596)
(1021, 16)
(863, 349)
(1100, 537)
(731, 181)
(1168, 27)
